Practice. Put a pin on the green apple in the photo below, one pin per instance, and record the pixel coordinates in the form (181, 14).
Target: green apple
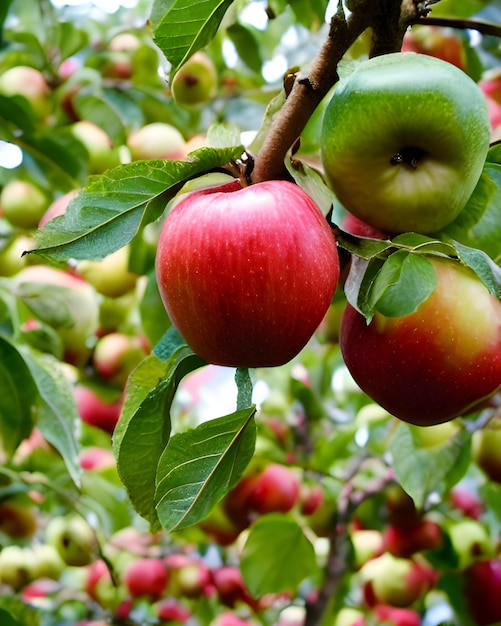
(195, 82)
(349, 616)
(486, 444)
(436, 363)
(73, 539)
(404, 141)
(471, 542)
(102, 155)
(23, 203)
(16, 566)
(110, 276)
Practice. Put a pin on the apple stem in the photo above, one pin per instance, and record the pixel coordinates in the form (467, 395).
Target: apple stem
(388, 19)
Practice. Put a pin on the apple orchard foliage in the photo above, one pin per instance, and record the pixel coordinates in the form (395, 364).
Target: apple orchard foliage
(140, 485)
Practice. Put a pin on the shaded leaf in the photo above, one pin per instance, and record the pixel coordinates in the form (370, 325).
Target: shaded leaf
(109, 211)
(483, 266)
(422, 470)
(277, 556)
(200, 466)
(362, 247)
(247, 45)
(18, 395)
(57, 411)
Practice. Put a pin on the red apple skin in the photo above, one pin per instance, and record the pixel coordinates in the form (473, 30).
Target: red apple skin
(467, 502)
(247, 274)
(116, 355)
(276, 490)
(58, 207)
(482, 587)
(404, 541)
(435, 364)
(398, 617)
(230, 586)
(95, 411)
(146, 577)
(170, 609)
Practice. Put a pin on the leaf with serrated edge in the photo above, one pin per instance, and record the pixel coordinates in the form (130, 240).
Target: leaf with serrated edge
(200, 466)
(268, 563)
(181, 27)
(483, 266)
(108, 212)
(57, 412)
(143, 429)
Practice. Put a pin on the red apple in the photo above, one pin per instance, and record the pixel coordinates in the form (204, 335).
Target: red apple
(58, 207)
(96, 458)
(188, 577)
(437, 363)
(442, 43)
(230, 585)
(397, 617)
(97, 410)
(17, 519)
(146, 577)
(482, 587)
(247, 274)
(276, 489)
(404, 541)
(171, 610)
(467, 502)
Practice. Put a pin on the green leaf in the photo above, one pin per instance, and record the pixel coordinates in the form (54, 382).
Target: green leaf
(154, 319)
(18, 395)
(246, 44)
(362, 247)
(57, 411)
(483, 266)
(13, 608)
(401, 285)
(311, 181)
(422, 470)
(143, 429)
(309, 14)
(109, 211)
(7, 619)
(200, 466)
(181, 27)
(277, 556)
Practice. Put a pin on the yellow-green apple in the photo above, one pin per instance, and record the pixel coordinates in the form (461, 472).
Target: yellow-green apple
(486, 444)
(116, 355)
(195, 81)
(23, 203)
(110, 276)
(436, 363)
(73, 538)
(482, 588)
(348, 616)
(78, 299)
(189, 577)
(16, 566)
(102, 155)
(11, 256)
(247, 274)
(47, 562)
(404, 141)
(393, 580)
(118, 56)
(367, 544)
(30, 83)
(157, 140)
(471, 542)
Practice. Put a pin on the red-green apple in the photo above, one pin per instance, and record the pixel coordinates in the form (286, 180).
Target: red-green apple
(157, 140)
(246, 274)
(467, 502)
(97, 409)
(171, 610)
(436, 363)
(404, 141)
(30, 83)
(102, 155)
(116, 355)
(404, 541)
(393, 616)
(58, 206)
(23, 203)
(367, 544)
(195, 81)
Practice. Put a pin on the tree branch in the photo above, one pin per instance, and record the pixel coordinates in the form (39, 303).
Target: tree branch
(485, 28)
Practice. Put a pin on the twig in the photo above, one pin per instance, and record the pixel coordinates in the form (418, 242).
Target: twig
(485, 28)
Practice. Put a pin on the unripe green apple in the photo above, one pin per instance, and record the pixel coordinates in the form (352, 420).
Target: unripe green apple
(23, 203)
(46, 562)
(16, 566)
(110, 276)
(247, 274)
(116, 355)
(30, 83)
(404, 141)
(471, 542)
(485, 450)
(101, 152)
(349, 616)
(195, 82)
(436, 363)
(157, 140)
(73, 538)
(12, 260)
